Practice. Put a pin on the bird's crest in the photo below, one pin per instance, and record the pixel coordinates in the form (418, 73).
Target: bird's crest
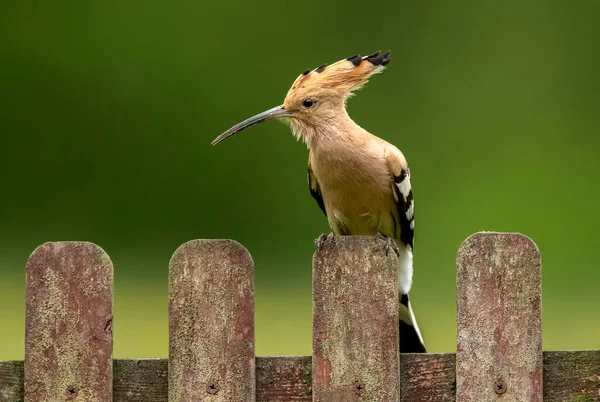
(318, 97)
(344, 76)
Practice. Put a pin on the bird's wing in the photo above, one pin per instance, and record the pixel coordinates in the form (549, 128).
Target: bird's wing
(403, 194)
(315, 189)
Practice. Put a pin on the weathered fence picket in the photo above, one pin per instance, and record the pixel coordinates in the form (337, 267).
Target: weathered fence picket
(499, 319)
(211, 323)
(211, 332)
(68, 324)
(355, 321)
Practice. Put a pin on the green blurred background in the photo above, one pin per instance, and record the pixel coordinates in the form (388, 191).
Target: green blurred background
(107, 110)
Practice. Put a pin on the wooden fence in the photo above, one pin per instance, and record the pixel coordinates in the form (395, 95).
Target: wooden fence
(68, 339)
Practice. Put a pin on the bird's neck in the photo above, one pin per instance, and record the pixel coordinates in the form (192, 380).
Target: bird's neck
(334, 131)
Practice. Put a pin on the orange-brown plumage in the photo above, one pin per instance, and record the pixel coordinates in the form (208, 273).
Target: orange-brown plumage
(342, 77)
(360, 181)
(329, 87)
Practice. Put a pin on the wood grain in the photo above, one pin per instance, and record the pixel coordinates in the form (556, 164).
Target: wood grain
(211, 323)
(355, 321)
(141, 380)
(568, 376)
(572, 376)
(427, 377)
(283, 379)
(68, 324)
(499, 319)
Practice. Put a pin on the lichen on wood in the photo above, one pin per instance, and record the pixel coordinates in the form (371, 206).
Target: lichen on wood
(211, 323)
(499, 319)
(355, 321)
(68, 325)
(568, 376)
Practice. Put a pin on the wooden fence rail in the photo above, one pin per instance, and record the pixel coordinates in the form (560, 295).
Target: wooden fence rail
(68, 341)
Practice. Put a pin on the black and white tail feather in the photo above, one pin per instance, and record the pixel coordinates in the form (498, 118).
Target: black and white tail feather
(411, 340)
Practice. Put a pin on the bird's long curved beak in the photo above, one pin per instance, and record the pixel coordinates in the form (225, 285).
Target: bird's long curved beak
(275, 113)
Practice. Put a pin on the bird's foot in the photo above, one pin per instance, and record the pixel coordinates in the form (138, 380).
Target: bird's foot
(321, 239)
(390, 244)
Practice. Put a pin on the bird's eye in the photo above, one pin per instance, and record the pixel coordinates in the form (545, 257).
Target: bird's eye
(308, 102)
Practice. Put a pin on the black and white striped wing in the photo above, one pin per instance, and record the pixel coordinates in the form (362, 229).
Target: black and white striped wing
(403, 196)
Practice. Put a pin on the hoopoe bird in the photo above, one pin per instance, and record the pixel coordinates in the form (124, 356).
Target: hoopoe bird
(360, 182)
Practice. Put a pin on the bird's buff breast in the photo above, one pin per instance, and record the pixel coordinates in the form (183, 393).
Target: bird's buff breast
(356, 202)
(359, 215)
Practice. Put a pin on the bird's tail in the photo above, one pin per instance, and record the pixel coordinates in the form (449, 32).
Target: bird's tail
(411, 340)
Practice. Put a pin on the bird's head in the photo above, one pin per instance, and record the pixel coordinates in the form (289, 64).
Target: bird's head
(318, 97)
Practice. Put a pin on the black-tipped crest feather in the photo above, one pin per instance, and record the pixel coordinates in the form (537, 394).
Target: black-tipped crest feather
(383, 59)
(372, 55)
(356, 60)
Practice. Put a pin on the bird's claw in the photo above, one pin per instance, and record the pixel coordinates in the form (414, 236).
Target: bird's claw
(321, 239)
(390, 244)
